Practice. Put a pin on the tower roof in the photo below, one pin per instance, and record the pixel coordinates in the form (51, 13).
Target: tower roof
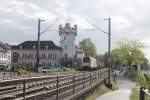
(67, 29)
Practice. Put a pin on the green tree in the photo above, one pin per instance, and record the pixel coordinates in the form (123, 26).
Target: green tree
(88, 47)
(128, 52)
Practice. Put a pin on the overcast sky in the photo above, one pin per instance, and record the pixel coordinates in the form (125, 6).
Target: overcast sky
(130, 19)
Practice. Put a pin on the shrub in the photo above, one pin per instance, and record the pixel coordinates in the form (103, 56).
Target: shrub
(21, 72)
(139, 77)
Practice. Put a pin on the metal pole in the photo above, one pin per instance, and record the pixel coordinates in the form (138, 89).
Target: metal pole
(90, 78)
(24, 89)
(73, 83)
(57, 88)
(83, 80)
(38, 44)
(142, 93)
(109, 48)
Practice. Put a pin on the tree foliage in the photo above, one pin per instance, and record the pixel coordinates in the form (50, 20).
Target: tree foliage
(128, 52)
(88, 47)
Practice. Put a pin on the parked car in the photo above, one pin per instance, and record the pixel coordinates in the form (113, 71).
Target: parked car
(44, 69)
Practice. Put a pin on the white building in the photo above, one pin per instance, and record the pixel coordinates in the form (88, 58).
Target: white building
(5, 56)
(78, 57)
(67, 40)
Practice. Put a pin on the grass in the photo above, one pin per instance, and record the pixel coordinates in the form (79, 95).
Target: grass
(102, 91)
(139, 78)
(67, 70)
(135, 94)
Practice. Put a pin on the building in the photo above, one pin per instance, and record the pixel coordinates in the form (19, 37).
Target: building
(5, 56)
(67, 39)
(78, 57)
(50, 54)
(79, 53)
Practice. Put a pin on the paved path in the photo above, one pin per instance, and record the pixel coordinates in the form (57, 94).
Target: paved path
(123, 93)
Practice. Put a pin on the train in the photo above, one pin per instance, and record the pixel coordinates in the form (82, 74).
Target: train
(89, 63)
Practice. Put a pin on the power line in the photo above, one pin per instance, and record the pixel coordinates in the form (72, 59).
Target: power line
(96, 26)
(46, 29)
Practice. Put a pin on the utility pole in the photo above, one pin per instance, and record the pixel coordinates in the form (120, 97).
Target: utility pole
(38, 45)
(109, 47)
(38, 40)
(109, 52)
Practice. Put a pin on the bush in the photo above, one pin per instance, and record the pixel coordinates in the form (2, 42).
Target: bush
(21, 72)
(139, 77)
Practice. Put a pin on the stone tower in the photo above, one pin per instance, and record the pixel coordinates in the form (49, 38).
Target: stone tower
(67, 39)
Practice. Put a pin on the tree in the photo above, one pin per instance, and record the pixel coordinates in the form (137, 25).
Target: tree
(128, 52)
(88, 47)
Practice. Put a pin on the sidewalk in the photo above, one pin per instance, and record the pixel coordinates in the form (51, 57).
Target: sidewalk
(125, 87)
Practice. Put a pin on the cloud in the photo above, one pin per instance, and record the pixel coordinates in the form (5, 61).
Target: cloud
(130, 19)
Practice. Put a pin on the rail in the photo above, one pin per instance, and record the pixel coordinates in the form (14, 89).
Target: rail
(54, 87)
(144, 94)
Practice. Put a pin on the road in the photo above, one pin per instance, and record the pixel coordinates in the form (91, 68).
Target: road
(125, 87)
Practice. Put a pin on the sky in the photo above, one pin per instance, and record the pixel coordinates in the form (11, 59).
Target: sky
(129, 20)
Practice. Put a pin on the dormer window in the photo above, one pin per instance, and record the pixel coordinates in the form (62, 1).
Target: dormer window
(47, 47)
(33, 47)
(20, 47)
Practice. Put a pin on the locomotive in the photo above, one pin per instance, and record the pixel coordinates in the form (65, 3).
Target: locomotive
(89, 63)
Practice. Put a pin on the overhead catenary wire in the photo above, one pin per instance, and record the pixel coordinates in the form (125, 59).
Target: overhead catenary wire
(46, 29)
(95, 26)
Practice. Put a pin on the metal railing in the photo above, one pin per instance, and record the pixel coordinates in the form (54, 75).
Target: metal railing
(144, 94)
(36, 87)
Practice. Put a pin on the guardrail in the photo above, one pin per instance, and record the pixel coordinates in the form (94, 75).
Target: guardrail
(54, 87)
(144, 94)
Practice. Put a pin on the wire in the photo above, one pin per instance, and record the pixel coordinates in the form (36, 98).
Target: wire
(49, 27)
(96, 26)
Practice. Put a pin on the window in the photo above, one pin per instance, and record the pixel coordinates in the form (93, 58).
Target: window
(55, 56)
(86, 59)
(66, 56)
(65, 46)
(20, 55)
(33, 47)
(47, 47)
(64, 38)
(50, 56)
(46, 56)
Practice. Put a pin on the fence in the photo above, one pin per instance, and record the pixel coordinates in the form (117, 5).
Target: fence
(144, 94)
(55, 86)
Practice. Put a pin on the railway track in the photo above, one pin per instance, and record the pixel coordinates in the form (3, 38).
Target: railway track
(48, 86)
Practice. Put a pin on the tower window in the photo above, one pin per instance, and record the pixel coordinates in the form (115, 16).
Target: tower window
(64, 38)
(66, 56)
(65, 46)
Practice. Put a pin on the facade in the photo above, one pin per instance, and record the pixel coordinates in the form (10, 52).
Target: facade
(49, 53)
(5, 56)
(67, 39)
(78, 57)
(79, 53)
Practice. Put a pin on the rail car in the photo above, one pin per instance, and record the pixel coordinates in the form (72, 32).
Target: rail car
(89, 63)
